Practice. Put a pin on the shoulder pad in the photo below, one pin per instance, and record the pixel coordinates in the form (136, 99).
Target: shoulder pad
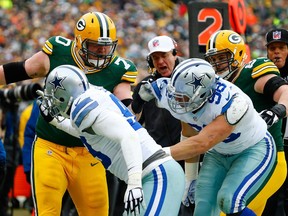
(237, 110)
(262, 66)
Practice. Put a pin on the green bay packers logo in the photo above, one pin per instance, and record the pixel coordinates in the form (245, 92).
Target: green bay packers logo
(80, 25)
(235, 38)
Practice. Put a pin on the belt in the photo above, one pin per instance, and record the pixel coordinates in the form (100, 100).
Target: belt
(157, 155)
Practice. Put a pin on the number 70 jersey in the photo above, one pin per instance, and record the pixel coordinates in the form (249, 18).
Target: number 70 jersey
(60, 51)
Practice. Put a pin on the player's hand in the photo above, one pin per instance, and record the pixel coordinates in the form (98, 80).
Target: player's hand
(272, 115)
(146, 90)
(189, 193)
(43, 105)
(134, 201)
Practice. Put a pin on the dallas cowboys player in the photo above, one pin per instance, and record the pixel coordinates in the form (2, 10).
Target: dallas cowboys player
(111, 134)
(239, 151)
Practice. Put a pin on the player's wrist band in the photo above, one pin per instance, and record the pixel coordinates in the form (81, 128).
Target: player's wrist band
(15, 72)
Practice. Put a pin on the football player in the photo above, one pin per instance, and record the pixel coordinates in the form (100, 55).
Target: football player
(220, 121)
(60, 162)
(260, 80)
(111, 133)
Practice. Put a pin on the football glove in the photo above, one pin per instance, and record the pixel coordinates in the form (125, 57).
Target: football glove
(133, 198)
(272, 115)
(189, 193)
(146, 90)
(191, 174)
(43, 105)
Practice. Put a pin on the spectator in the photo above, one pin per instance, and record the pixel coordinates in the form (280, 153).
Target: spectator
(277, 51)
(160, 124)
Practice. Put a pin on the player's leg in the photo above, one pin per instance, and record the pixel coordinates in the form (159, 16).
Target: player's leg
(163, 189)
(209, 181)
(249, 172)
(87, 183)
(274, 183)
(48, 178)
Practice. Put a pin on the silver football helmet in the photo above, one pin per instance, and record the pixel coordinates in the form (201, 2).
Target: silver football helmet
(62, 86)
(191, 84)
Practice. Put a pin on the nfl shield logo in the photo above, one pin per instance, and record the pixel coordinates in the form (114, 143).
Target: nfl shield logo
(155, 43)
(277, 35)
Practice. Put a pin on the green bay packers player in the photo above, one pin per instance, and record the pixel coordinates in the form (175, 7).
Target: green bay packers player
(60, 161)
(260, 80)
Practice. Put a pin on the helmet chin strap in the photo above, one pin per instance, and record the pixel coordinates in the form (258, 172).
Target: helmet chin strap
(224, 74)
(227, 73)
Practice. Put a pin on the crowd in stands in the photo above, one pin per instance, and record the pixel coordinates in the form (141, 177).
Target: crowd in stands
(25, 25)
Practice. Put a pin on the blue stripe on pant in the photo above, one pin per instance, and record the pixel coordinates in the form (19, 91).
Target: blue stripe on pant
(163, 189)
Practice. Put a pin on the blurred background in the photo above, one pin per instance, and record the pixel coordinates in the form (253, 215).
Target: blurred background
(26, 25)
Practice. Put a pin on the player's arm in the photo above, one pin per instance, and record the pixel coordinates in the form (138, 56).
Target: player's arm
(36, 66)
(215, 132)
(116, 128)
(275, 88)
(65, 126)
(123, 91)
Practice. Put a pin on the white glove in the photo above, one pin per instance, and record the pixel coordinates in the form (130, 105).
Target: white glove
(189, 194)
(133, 198)
(191, 173)
(146, 91)
(44, 104)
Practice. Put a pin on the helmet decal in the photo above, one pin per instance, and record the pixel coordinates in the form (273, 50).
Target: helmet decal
(196, 82)
(234, 38)
(57, 82)
(104, 30)
(80, 25)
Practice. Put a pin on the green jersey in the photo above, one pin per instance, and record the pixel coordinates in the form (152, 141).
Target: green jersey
(61, 51)
(246, 81)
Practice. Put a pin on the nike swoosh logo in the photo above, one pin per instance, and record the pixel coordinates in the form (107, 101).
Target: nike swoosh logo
(228, 97)
(93, 164)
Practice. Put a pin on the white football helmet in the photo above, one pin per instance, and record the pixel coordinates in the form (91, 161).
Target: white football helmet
(62, 85)
(191, 84)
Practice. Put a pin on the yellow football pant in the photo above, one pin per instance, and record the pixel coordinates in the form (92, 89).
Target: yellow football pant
(56, 168)
(273, 184)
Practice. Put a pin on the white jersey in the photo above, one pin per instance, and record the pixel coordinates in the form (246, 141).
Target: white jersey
(248, 131)
(98, 116)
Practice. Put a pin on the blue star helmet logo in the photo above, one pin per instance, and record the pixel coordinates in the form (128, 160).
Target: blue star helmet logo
(57, 82)
(196, 82)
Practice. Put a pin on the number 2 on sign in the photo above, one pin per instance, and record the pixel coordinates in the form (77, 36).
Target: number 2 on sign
(209, 13)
